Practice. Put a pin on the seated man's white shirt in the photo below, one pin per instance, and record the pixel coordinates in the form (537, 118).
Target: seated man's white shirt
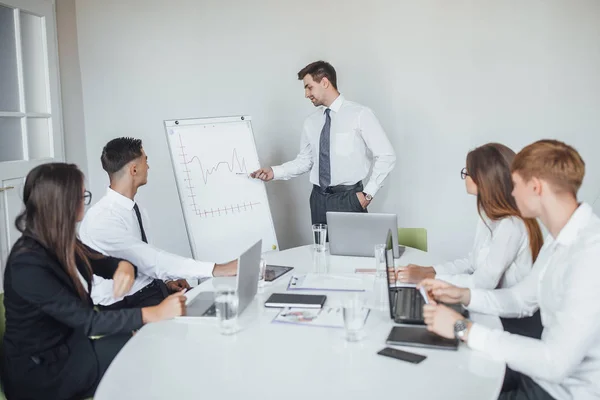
(111, 227)
(564, 286)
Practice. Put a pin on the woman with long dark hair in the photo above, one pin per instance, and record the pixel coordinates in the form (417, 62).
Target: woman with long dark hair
(506, 244)
(57, 345)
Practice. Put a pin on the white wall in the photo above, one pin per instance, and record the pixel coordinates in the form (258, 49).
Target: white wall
(70, 84)
(442, 77)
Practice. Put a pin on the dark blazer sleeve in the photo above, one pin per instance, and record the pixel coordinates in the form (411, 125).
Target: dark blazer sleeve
(34, 280)
(104, 266)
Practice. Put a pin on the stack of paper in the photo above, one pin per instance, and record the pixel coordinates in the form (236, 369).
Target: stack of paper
(327, 317)
(328, 282)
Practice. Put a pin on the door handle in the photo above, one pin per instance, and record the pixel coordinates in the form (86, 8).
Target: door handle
(6, 188)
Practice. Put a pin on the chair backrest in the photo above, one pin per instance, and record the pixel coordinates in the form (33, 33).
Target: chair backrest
(2, 319)
(2, 328)
(413, 237)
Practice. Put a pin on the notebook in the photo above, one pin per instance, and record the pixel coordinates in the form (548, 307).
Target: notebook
(281, 300)
(417, 336)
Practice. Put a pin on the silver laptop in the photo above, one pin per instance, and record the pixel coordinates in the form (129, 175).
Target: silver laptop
(203, 305)
(356, 234)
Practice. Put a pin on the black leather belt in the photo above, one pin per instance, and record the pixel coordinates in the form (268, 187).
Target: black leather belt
(357, 187)
(152, 284)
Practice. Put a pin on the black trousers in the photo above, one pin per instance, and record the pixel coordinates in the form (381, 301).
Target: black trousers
(106, 350)
(334, 198)
(529, 326)
(521, 387)
(148, 296)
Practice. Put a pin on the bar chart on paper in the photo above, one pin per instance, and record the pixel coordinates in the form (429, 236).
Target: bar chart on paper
(225, 210)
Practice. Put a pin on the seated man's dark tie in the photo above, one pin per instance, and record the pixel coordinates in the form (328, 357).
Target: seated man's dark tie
(139, 218)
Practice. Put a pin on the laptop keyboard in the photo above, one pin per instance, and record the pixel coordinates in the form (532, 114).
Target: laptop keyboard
(409, 304)
(211, 312)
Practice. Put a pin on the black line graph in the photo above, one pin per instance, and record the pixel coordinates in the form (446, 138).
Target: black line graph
(235, 159)
(206, 172)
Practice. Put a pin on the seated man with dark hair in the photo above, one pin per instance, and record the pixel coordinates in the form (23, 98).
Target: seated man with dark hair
(116, 226)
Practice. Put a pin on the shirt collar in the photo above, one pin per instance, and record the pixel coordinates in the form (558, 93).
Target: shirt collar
(337, 104)
(121, 200)
(578, 221)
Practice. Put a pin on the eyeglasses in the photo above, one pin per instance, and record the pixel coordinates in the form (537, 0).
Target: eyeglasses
(464, 173)
(87, 197)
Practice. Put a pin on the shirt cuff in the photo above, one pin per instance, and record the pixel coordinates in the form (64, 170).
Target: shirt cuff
(138, 320)
(205, 269)
(478, 337)
(278, 172)
(444, 277)
(371, 189)
(440, 269)
(477, 299)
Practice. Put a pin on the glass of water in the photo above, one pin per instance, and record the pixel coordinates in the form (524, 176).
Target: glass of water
(320, 262)
(380, 261)
(319, 236)
(380, 284)
(354, 318)
(226, 302)
(262, 275)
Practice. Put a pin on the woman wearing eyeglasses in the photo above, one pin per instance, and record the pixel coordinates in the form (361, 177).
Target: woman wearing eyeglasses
(506, 244)
(56, 345)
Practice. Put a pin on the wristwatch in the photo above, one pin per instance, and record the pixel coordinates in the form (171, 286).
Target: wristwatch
(368, 197)
(460, 328)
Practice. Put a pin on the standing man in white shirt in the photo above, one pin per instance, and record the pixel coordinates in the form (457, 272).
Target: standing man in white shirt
(565, 362)
(333, 147)
(117, 227)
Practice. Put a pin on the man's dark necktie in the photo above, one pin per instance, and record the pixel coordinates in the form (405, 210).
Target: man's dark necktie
(139, 218)
(324, 150)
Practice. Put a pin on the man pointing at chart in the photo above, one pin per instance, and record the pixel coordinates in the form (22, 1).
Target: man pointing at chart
(333, 147)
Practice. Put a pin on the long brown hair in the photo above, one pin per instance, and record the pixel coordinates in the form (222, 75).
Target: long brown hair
(489, 167)
(53, 196)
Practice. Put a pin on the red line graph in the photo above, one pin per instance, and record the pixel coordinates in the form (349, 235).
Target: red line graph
(220, 211)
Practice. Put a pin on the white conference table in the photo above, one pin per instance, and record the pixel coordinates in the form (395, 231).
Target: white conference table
(190, 359)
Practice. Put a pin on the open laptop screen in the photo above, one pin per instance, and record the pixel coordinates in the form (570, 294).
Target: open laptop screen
(390, 270)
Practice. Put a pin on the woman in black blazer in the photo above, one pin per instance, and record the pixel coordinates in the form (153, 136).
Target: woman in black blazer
(48, 350)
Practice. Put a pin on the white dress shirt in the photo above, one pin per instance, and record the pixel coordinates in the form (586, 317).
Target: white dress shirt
(111, 227)
(354, 130)
(564, 286)
(499, 258)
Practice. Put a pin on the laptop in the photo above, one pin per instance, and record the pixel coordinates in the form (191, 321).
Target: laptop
(406, 307)
(203, 305)
(406, 302)
(356, 234)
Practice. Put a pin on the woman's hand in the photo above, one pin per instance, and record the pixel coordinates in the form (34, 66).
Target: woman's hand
(415, 273)
(171, 307)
